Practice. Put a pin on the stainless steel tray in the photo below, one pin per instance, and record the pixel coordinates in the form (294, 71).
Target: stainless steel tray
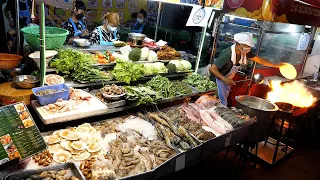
(67, 166)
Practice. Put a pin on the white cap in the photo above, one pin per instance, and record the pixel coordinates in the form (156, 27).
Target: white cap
(244, 38)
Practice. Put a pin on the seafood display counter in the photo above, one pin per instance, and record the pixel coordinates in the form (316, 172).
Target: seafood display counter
(144, 145)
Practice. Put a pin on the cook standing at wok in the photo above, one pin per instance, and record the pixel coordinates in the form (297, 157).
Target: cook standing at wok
(227, 64)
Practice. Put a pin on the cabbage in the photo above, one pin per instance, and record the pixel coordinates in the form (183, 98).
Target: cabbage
(182, 65)
(178, 64)
(186, 64)
(152, 56)
(154, 68)
(144, 54)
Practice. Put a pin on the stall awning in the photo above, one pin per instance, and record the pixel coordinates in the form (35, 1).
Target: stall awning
(303, 12)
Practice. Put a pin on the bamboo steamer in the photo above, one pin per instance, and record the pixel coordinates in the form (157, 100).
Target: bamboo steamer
(10, 94)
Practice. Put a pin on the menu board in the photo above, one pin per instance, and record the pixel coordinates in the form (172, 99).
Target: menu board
(20, 138)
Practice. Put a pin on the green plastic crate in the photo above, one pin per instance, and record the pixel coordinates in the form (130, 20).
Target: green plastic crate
(55, 37)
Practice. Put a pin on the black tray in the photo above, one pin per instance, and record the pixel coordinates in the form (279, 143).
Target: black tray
(67, 166)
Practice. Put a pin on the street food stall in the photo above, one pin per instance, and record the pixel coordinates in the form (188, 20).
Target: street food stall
(138, 109)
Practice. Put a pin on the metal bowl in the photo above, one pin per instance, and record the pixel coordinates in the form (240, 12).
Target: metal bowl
(15, 72)
(113, 97)
(82, 42)
(23, 81)
(137, 36)
(256, 103)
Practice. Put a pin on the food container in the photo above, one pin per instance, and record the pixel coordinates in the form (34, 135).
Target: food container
(63, 93)
(136, 38)
(113, 97)
(260, 108)
(49, 55)
(82, 42)
(9, 61)
(23, 81)
(67, 166)
(110, 105)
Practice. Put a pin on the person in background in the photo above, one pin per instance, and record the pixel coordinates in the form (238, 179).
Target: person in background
(132, 21)
(24, 20)
(76, 26)
(107, 33)
(140, 25)
(227, 64)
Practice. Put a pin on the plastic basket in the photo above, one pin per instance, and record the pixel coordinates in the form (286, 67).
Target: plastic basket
(55, 37)
(52, 98)
(9, 61)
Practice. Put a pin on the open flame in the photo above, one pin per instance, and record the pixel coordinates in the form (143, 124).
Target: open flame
(294, 93)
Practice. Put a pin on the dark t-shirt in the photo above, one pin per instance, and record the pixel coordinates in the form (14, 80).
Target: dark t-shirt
(144, 29)
(224, 63)
(68, 26)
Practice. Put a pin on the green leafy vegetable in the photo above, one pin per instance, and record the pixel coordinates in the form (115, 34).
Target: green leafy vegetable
(154, 68)
(201, 83)
(78, 65)
(139, 95)
(182, 88)
(127, 71)
(162, 85)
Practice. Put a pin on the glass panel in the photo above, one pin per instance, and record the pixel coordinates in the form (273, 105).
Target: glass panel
(281, 48)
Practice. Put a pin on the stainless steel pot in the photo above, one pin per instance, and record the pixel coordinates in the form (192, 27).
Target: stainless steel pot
(136, 38)
(260, 108)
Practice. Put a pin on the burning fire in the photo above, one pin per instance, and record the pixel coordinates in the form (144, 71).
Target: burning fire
(294, 93)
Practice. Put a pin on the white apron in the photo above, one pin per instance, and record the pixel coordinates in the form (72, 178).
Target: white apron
(224, 89)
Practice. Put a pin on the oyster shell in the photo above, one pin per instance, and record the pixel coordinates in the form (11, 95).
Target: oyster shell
(78, 145)
(81, 157)
(62, 157)
(94, 147)
(73, 136)
(64, 133)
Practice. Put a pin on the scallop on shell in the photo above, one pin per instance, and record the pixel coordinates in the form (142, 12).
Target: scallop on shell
(62, 157)
(86, 138)
(81, 157)
(87, 125)
(73, 136)
(82, 129)
(64, 133)
(53, 139)
(92, 130)
(94, 147)
(55, 148)
(78, 145)
(76, 152)
(66, 145)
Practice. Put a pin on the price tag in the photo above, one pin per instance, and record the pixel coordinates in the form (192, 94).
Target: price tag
(228, 140)
(180, 162)
(20, 138)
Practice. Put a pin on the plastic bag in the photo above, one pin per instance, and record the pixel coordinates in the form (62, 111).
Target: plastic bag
(205, 71)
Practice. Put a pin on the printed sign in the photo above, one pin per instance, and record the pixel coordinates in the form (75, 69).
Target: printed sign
(303, 42)
(19, 136)
(199, 16)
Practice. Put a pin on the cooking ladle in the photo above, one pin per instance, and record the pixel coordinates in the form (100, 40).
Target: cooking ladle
(258, 78)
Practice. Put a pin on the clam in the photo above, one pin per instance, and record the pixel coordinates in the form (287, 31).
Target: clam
(81, 157)
(73, 136)
(78, 145)
(64, 133)
(53, 139)
(62, 157)
(94, 147)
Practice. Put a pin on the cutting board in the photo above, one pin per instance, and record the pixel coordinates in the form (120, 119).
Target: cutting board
(96, 107)
(10, 93)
